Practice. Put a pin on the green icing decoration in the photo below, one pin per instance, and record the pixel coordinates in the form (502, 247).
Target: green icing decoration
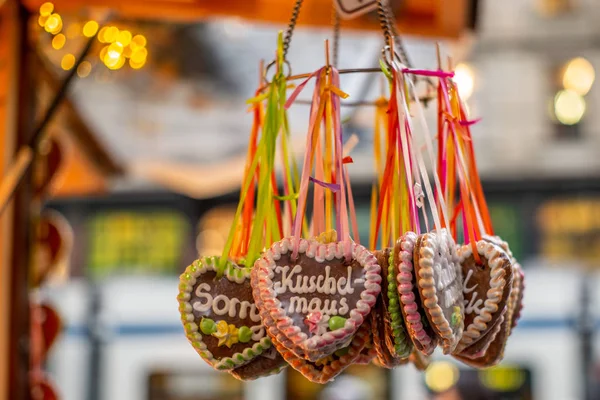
(401, 345)
(342, 352)
(456, 317)
(336, 323)
(208, 326)
(244, 334)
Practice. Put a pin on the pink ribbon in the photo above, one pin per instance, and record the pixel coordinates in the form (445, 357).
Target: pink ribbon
(426, 72)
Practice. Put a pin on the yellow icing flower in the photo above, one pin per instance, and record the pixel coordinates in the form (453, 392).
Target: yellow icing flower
(327, 237)
(226, 333)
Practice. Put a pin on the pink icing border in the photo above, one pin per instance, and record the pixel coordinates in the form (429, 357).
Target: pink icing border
(405, 289)
(265, 267)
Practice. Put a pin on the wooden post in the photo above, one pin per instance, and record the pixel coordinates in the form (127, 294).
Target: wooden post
(16, 114)
(9, 43)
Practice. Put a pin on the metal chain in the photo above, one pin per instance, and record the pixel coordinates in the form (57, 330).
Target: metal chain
(398, 42)
(336, 36)
(384, 23)
(290, 29)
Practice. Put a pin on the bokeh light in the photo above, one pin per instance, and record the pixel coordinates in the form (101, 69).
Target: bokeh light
(138, 41)
(441, 376)
(53, 24)
(465, 80)
(124, 37)
(578, 76)
(139, 55)
(58, 41)
(84, 69)
(42, 20)
(90, 28)
(67, 62)
(46, 9)
(110, 35)
(569, 107)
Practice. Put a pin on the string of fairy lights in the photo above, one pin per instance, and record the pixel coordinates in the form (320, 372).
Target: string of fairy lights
(121, 46)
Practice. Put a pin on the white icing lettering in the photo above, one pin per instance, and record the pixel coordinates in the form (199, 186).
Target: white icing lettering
(344, 306)
(232, 304)
(298, 304)
(221, 310)
(199, 306)
(314, 305)
(223, 305)
(258, 332)
(474, 304)
(312, 287)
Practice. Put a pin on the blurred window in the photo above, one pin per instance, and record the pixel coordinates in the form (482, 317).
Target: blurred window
(194, 385)
(130, 241)
(504, 382)
(357, 382)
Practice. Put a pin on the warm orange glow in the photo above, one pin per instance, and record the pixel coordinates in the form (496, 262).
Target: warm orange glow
(58, 41)
(579, 76)
(138, 41)
(124, 37)
(84, 69)
(90, 28)
(46, 9)
(67, 62)
(139, 55)
(53, 24)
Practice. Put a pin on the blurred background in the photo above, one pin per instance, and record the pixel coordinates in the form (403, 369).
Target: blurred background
(148, 135)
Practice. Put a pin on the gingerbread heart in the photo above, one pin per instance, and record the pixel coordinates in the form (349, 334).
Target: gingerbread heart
(486, 288)
(519, 276)
(390, 337)
(480, 347)
(419, 360)
(318, 300)
(439, 279)
(268, 363)
(368, 353)
(326, 368)
(417, 325)
(518, 287)
(495, 351)
(218, 312)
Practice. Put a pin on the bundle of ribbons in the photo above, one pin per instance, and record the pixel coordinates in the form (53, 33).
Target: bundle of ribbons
(294, 285)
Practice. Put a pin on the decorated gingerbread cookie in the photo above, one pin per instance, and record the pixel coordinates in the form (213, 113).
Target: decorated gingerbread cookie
(419, 360)
(486, 288)
(368, 353)
(439, 279)
(417, 325)
(390, 338)
(518, 286)
(220, 318)
(519, 276)
(318, 300)
(268, 363)
(479, 348)
(495, 351)
(328, 367)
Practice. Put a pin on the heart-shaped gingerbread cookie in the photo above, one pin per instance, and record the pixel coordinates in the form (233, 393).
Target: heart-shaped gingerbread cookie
(390, 337)
(417, 325)
(220, 318)
(328, 367)
(486, 288)
(318, 300)
(439, 278)
(268, 363)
